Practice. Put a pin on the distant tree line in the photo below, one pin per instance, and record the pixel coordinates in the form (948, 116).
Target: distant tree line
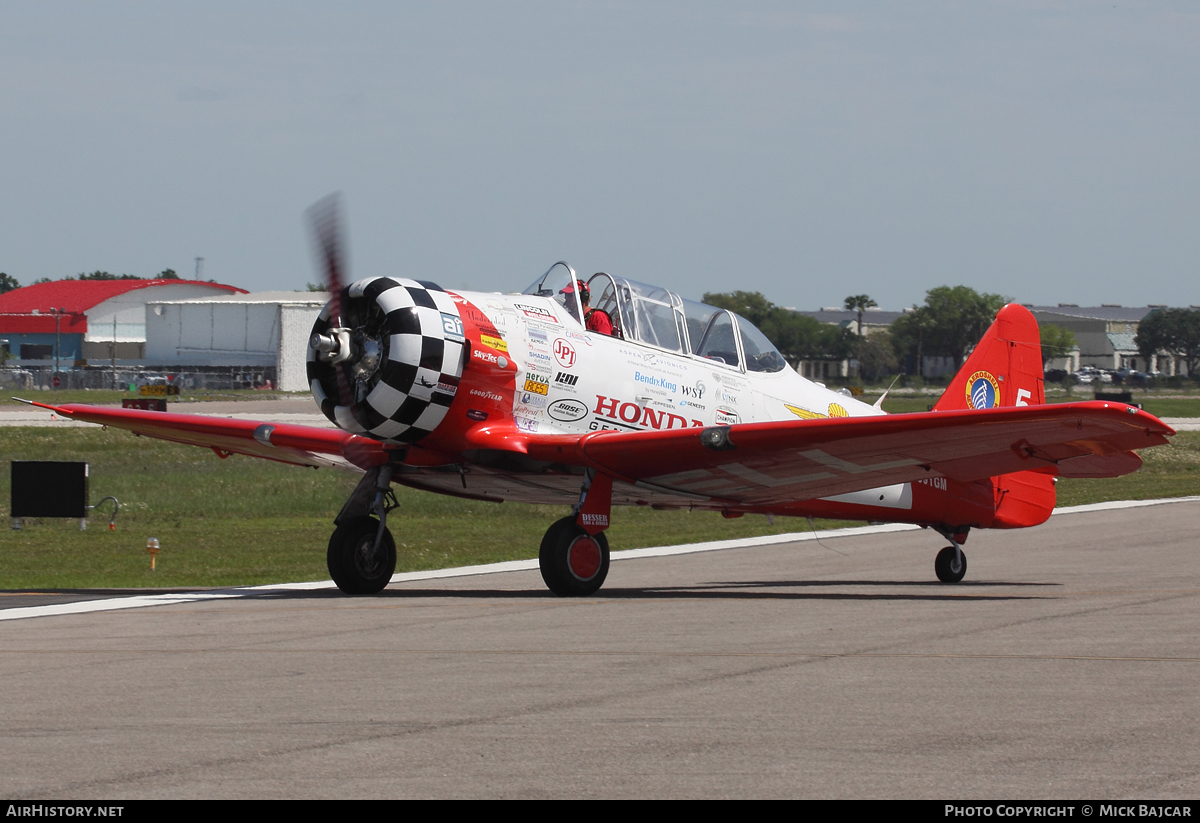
(1175, 332)
(165, 274)
(797, 336)
(8, 282)
(949, 324)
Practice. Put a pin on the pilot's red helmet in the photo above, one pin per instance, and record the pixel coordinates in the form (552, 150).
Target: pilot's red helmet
(585, 294)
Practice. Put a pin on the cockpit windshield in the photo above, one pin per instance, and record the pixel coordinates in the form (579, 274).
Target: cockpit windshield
(657, 317)
(761, 354)
(560, 284)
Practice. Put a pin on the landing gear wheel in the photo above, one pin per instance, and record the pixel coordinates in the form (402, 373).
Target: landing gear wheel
(354, 564)
(573, 562)
(950, 565)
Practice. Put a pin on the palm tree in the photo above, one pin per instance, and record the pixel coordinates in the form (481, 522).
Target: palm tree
(860, 303)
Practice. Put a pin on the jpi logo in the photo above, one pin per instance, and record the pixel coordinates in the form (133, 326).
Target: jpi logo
(564, 353)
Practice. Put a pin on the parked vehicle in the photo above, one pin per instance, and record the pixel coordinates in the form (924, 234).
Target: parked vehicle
(1090, 374)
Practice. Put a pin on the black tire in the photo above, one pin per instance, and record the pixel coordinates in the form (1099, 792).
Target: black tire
(573, 562)
(351, 565)
(948, 567)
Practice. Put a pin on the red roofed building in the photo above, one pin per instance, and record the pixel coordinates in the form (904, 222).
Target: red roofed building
(82, 319)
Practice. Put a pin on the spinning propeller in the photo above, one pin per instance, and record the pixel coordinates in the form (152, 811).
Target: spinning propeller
(324, 219)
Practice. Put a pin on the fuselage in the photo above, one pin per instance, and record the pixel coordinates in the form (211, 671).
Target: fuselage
(538, 365)
(534, 367)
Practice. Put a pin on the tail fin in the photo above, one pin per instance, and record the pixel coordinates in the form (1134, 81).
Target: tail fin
(1005, 369)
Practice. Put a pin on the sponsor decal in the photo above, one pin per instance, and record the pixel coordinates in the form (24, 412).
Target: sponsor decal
(542, 358)
(634, 416)
(447, 388)
(493, 342)
(477, 316)
(538, 313)
(726, 397)
(652, 380)
(594, 519)
(727, 417)
(485, 324)
(836, 410)
(535, 387)
(564, 379)
(452, 327)
(538, 335)
(488, 357)
(651, 360)
(803, 414)
(983, 392)
(476, 414)
(564, 353)
(567, 411)
(732, 382)
(693, 404)
(530, 399)
(696, 391)
(490, 395)
(525, 424)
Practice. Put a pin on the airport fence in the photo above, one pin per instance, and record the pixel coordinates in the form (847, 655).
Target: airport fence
(35, 378)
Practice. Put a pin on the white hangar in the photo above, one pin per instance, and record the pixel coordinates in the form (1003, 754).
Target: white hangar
(262, 329)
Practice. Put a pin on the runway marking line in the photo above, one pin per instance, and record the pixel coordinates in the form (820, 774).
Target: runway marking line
(142, 601)
(577, 653)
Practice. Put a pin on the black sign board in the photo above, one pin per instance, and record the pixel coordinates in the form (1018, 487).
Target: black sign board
(49, 489)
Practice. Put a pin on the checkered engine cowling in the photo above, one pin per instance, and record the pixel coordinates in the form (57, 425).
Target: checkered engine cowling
(420, 335)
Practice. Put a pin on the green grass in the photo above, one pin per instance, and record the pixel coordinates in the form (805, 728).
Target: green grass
(1159, 406)
(1168, 471)
(242, 521)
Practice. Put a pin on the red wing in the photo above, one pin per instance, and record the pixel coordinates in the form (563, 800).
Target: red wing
(301, 445)
(767, 463)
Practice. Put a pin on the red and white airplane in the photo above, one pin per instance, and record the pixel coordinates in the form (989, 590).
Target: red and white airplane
(686, 406)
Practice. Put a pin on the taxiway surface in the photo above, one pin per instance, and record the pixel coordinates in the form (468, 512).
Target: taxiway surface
(1065, 666)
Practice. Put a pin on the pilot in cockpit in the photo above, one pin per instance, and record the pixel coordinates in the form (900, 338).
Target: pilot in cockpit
(595, 320)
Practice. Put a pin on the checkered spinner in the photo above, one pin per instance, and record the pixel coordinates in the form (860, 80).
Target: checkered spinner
(412, 389)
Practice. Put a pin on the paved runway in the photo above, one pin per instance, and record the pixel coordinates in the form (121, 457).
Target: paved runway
(1065, 666)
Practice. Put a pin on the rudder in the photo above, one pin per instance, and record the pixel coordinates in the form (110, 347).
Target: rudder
(1005, 369)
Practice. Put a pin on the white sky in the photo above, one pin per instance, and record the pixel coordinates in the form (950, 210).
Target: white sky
(1046, 151)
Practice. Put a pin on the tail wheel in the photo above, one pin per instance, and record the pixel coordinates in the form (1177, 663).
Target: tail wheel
(354, 564)
(951, 564)
(573, 562)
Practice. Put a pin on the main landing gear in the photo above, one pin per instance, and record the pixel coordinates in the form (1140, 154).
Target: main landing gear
(362, 552)
(951, 562)
(574, 553)
(573, 562)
